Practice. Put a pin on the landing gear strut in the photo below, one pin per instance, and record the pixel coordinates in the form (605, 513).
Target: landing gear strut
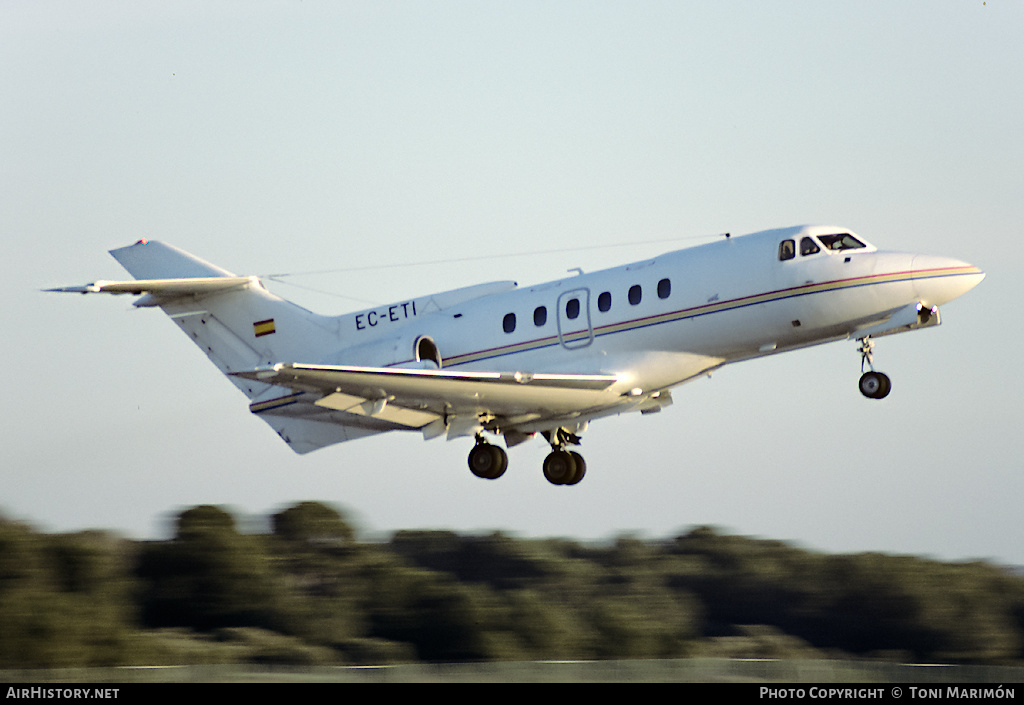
(487, 461)
(874, 385)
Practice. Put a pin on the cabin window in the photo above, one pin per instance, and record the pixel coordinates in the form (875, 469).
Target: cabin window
(808, 246)
(635, 294)
(540, 316)
(787, 250)
(664, 288)
(604, 301)
(508, 323)
(572, 308)
(841, 241)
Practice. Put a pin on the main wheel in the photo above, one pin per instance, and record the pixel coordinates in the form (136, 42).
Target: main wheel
(875, 385)
(581, 468)
(559, 467)
(487, 461)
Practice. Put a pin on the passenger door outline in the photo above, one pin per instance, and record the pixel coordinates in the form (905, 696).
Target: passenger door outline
(570, 335)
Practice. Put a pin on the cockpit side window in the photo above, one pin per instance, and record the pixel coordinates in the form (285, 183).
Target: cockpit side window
(841, 241)
(808, 247)
(787, 250)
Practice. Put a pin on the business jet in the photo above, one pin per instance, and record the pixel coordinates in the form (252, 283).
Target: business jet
(497, 359)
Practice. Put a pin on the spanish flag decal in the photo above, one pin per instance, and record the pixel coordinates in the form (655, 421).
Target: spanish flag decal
(261, 328)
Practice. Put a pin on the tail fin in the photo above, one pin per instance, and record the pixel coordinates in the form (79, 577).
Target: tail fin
(238, 327)
(155, 260)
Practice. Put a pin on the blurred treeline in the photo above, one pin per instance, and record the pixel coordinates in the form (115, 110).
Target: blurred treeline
(307, 591)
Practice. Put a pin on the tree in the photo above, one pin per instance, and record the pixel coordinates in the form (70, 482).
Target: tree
(209, 576)
(64, 600)
(313, 522)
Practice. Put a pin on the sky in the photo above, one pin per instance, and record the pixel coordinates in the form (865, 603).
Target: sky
(379, 151)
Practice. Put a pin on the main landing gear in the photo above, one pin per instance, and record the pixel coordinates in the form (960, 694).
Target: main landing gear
(561, 467)
(873, 385)
(487, 461)
(564, 467)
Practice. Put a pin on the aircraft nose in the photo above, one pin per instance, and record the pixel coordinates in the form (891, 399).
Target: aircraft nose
(941, 279)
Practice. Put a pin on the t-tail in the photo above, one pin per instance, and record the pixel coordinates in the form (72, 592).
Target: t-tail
(234, 320)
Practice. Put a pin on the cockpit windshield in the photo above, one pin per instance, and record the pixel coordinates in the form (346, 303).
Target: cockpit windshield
(840, 241)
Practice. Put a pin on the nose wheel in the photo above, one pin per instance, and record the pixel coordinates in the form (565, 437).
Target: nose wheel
(873, 385)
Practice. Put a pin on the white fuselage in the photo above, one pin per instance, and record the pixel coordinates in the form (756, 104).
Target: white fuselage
(660, 322)
(500, 359)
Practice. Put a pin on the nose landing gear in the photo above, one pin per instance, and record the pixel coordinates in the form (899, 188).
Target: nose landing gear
(873, 385)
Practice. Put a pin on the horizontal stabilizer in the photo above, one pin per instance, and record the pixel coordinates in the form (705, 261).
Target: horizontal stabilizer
(162, 288)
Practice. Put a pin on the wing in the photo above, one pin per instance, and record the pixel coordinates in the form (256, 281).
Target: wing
(438, 401)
